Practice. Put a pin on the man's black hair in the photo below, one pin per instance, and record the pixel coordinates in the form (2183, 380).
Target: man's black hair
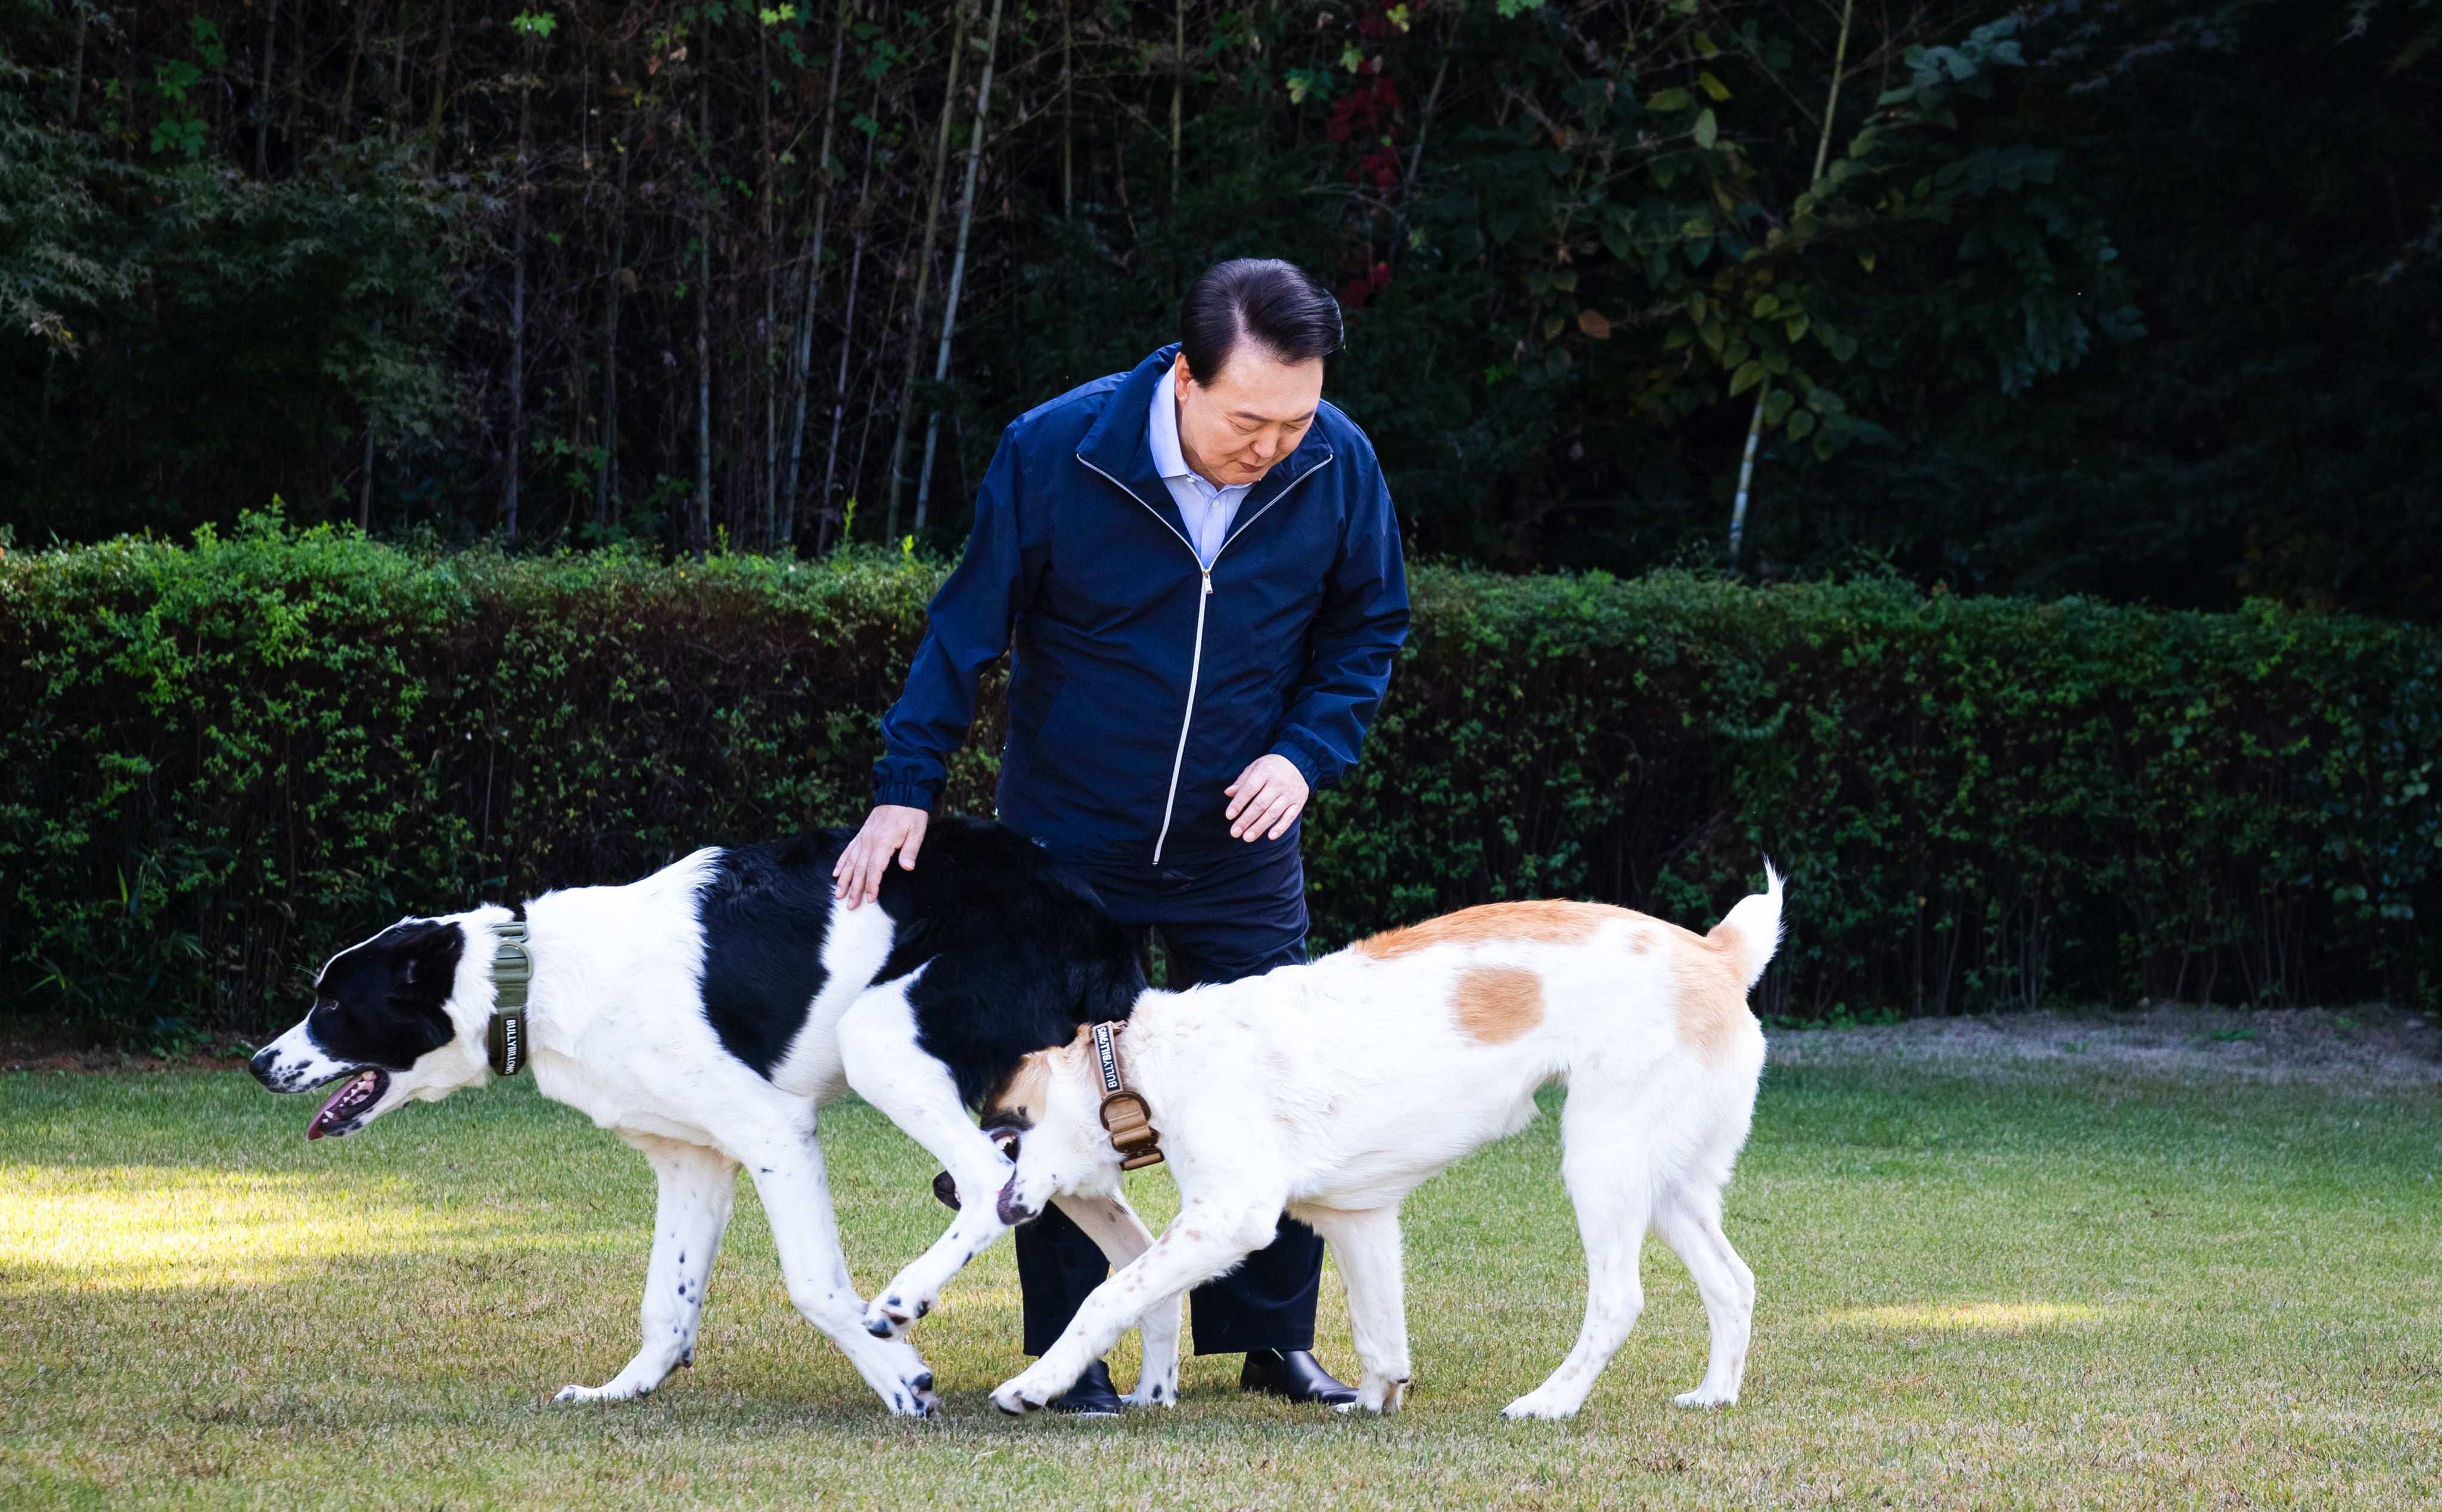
(1277, 305)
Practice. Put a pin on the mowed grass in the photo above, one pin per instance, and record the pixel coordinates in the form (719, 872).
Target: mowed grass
(2057, 1286)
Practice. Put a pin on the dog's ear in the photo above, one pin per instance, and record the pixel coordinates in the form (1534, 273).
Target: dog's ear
(425, 954)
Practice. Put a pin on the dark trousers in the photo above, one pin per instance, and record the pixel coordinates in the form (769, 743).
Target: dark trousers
(1237, 917)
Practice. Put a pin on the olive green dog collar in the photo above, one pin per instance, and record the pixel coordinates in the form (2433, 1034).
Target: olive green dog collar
(512, 971)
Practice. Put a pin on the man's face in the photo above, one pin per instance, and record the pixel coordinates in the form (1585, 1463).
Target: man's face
(1234, 428)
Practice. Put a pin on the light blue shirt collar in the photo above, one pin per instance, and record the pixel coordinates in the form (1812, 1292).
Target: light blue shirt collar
(1207, 510)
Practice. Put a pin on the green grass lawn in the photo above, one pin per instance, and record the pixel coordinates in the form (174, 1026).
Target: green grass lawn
(2085, 1281)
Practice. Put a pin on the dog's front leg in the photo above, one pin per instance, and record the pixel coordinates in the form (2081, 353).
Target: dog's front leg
(1366, 1245)
(697, 1187)
(1115, 1226)
(797, 1197)
(888, 1069)
(1204, 1241)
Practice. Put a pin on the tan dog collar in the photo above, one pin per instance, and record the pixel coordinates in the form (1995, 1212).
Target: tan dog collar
(1125, 1117)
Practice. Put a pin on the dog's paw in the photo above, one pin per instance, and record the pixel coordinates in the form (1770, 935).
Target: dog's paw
(1382, 1396)
(914, 1397)
(1158, 1395)
(1017, 1397)
(1537, 1405)
(1701, 1397)
(888, 1316)
(614, 1392)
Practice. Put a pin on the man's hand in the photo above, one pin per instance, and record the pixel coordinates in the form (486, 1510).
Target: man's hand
(889, 830)
(1264, 800)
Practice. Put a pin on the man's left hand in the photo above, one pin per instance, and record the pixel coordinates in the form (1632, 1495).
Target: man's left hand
(1265, 799)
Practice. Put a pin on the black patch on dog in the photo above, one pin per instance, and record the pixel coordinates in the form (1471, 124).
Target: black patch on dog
(765, 911)
(382, 1003)
(1017, 952)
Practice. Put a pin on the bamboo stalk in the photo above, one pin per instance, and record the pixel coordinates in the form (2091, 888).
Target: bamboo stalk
(517, 304)
(924, 272)
(804, 363)
(76, 69)
(839, 386)
(704, 305)
(262, 84)
(1067, 116)
(1763, 389)
(441, 78)
(958, 261)
(1178, 93)
(771, 303)
(605, 484)
(355, 56)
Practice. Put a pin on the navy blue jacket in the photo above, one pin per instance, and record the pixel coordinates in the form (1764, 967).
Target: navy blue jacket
(1142, 684)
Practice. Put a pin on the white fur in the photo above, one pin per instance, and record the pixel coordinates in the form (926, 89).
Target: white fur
(1332, 1090)
(617, 1028)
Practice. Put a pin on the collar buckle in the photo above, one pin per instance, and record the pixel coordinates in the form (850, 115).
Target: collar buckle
(1126, 1117)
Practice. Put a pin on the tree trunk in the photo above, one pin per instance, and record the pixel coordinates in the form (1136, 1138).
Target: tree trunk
(76, 69)
(839, 386)
(440, 78)
(1177, 93)
(958, 261)
(518, 317)
(924, 270)
(365, 497)
(771, 307)
(355, 57)
(605, 484)
(802, 376)
(1067, 116)
(262, 84)
(1763, 389)
(703, 302)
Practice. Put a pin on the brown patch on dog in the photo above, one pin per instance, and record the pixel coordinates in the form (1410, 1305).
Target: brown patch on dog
(1019, 1101)
(1712, 996)
(1541, 921)
(1497, 1004)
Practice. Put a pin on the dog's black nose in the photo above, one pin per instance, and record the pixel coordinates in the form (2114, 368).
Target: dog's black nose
(261, 1065)
(1013, 1213)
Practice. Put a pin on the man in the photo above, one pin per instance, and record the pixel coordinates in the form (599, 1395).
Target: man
(1198, 565)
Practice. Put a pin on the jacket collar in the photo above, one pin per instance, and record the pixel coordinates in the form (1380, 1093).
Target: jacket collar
(1120, 447)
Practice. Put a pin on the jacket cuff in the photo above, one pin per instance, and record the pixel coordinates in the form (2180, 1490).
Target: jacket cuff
(905, 795)
(1296, 753)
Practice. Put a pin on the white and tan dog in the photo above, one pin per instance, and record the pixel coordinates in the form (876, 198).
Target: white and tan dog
(1332, 1090)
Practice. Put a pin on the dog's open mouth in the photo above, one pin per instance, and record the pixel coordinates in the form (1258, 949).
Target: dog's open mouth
(357, 1093)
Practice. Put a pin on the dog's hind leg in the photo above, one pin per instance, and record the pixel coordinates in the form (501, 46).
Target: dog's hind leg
(697, 1187)
(1366, 1245)
(1606, 1165)
(788, 1170)
(1114, 1226)
(1689, 1221)
(889, 1069)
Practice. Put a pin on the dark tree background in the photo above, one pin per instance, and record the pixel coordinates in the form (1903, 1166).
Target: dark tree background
(2141, 300)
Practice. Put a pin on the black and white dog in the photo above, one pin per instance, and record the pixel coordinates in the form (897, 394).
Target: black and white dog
(702, 1013)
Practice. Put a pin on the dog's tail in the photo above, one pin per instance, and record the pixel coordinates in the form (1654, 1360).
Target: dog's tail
(1752, 932)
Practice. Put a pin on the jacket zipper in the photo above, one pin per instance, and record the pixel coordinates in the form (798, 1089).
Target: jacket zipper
(1194, 673)
(1196, 668)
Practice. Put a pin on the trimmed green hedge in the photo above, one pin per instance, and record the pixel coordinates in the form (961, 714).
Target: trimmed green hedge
(223, 760)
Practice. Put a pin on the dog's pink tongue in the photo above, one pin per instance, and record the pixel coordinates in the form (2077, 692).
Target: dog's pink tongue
(316, 1129)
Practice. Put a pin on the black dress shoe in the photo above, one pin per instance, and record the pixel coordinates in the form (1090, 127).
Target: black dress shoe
(1095, 1396)
(1294, 1373)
